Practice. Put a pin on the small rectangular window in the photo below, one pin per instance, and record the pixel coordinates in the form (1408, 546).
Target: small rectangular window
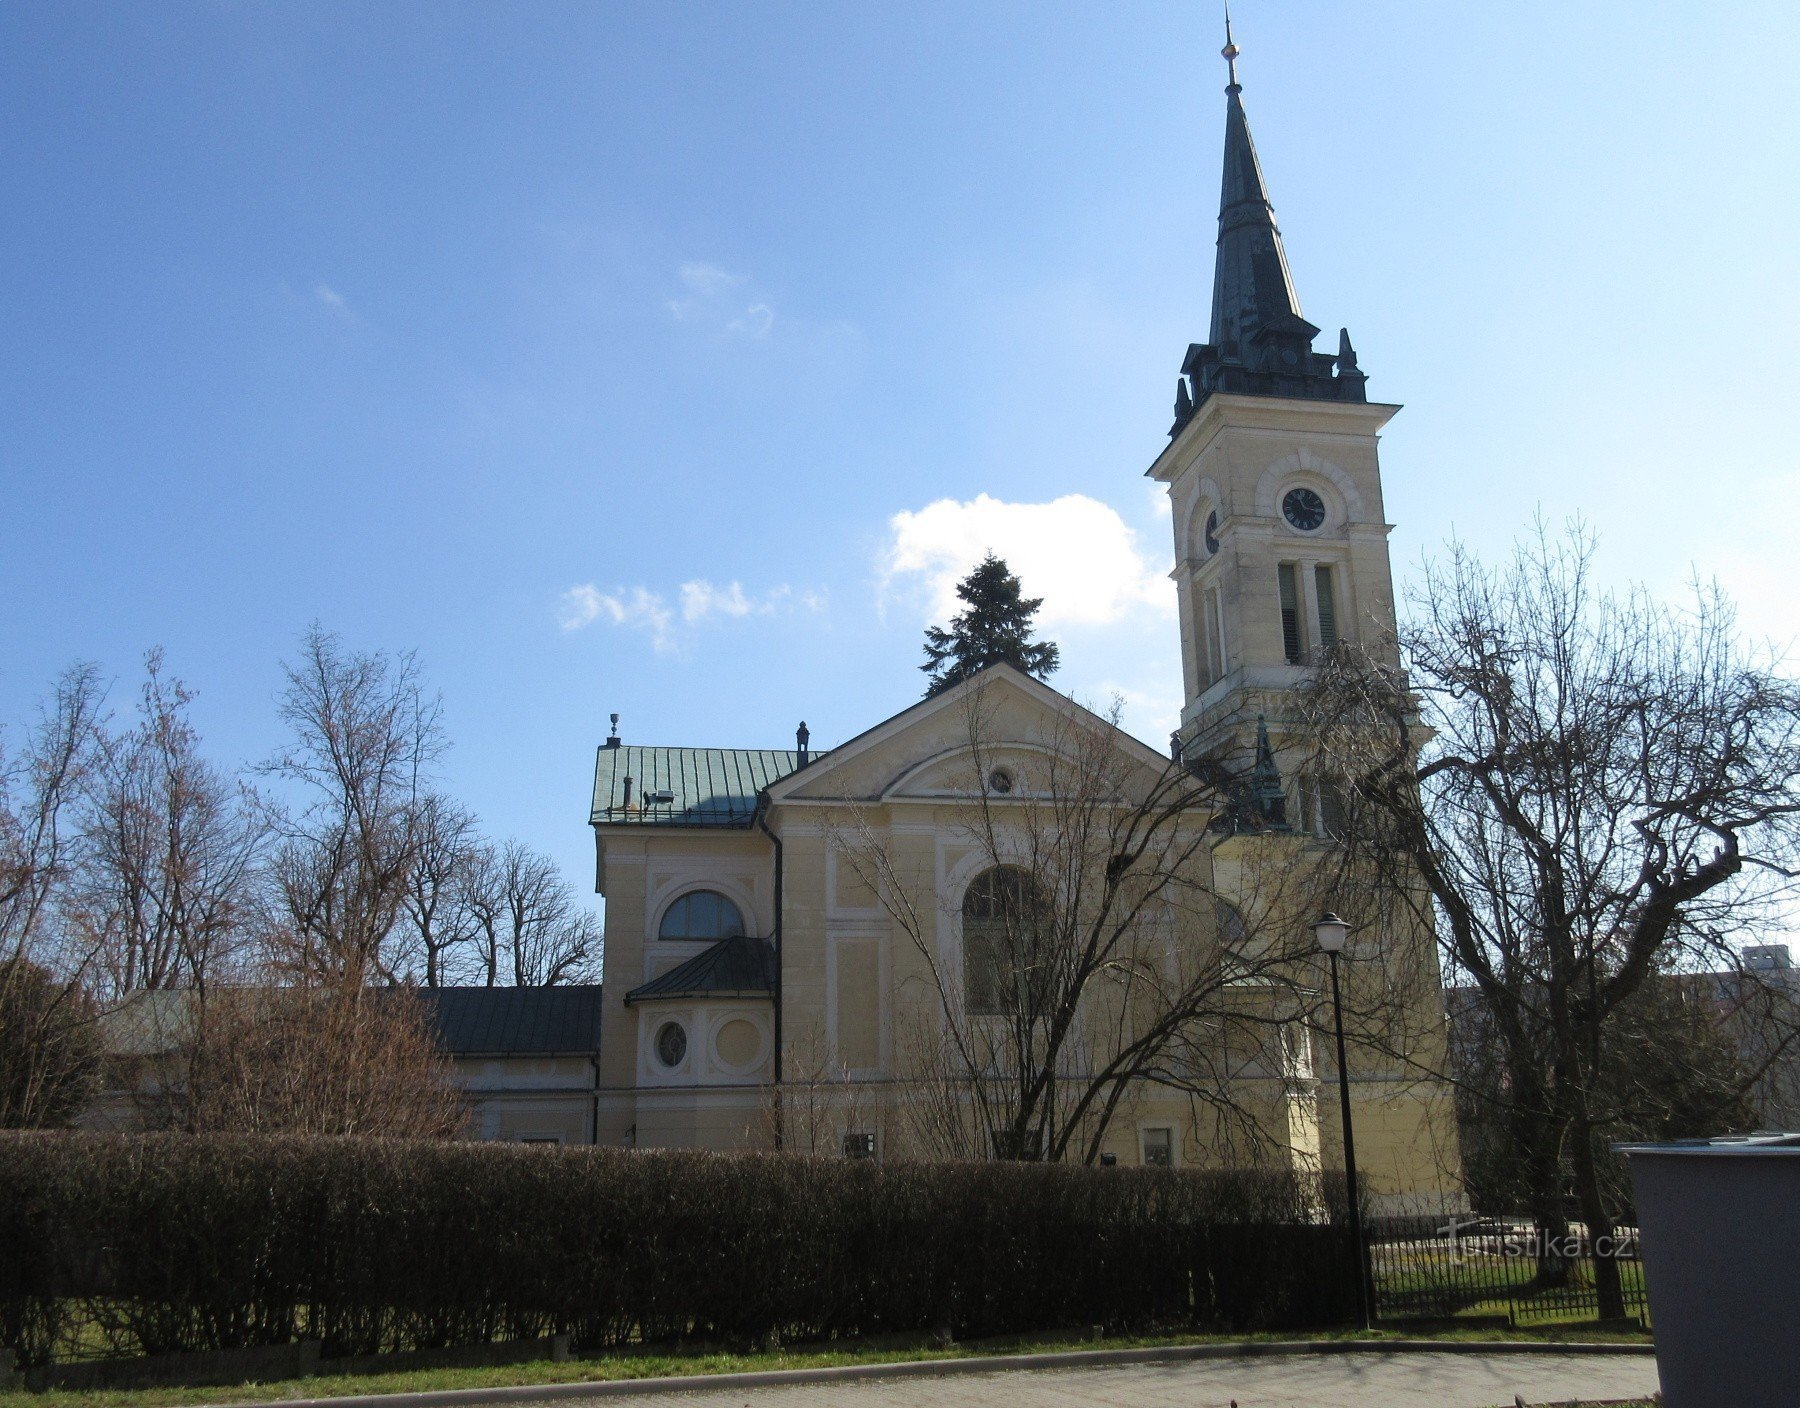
(1216, 621)
(1023, 1145)
(1328, 631)
(1293, 643)
(859, 1144)
(1159, 1148)
(1203, 638)
(1332, 820)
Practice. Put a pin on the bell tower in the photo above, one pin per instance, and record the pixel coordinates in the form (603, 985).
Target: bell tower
(1273, 479)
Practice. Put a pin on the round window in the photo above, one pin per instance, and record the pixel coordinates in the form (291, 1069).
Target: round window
(1000, 780)
(671, 1043)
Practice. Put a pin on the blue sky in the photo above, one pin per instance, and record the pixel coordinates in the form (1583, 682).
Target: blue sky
(672, 359)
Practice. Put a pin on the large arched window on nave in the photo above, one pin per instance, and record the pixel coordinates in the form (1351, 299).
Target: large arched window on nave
(1001, 914)
(701, 914)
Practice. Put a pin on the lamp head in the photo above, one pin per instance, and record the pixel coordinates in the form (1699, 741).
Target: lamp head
(1331, 932)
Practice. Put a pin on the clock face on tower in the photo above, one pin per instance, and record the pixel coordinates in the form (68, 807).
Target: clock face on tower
(1212, 533)
(1303, 508)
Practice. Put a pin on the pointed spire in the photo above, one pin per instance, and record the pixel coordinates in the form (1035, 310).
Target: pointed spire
(1259, 344)
(1267, 794)
(1252, 289)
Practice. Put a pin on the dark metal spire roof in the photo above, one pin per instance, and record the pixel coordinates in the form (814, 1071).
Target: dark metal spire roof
(1260, 344)
(1251, 283)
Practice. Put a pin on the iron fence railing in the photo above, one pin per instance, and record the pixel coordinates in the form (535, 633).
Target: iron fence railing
(1485, 1267)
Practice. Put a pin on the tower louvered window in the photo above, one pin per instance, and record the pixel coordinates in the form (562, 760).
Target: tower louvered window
(1328, 630)
(1293, 641)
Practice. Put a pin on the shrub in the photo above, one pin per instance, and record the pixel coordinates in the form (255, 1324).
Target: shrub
(49, 1046)
(175, 1242)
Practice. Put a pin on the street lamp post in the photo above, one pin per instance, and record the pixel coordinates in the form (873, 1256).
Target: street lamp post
(1332, 933)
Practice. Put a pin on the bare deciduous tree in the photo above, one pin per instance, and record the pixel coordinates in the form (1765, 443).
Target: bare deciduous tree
(1582, 792)
(315, 1059)
(169, 843)
(365, 737)
(441, 928)
(47, 1045)
(529, 930)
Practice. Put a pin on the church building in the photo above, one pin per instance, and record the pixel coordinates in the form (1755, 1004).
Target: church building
(760, 988)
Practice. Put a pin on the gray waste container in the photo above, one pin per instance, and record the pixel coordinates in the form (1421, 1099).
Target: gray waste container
(1720, 1223)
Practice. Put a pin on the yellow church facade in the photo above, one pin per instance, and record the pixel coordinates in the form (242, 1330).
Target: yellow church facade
(789, 935)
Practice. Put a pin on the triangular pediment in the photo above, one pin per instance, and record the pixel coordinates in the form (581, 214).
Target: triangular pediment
(952, 745)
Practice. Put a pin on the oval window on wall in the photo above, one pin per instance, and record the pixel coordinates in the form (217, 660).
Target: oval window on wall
(671, 1043)
(701, 914)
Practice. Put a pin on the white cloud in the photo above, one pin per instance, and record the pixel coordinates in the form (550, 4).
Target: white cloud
(758, 318)
(710, 302)
(1076, 553)
(700, 601)
(329, 298)
(637, 609)
(708, 278)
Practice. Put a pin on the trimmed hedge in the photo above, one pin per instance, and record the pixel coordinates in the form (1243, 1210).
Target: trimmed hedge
(156, 1243)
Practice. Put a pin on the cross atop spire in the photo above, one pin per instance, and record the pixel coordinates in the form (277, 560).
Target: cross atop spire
(1260, 345)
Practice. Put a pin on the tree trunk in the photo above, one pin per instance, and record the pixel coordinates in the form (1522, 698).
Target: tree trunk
(1601, 1239)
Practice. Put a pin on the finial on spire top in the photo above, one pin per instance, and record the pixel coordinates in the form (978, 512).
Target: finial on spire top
(1230, 51)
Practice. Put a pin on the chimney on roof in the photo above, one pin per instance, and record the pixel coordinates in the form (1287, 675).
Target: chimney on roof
(612, 739)
(625, 805)
(801, 739)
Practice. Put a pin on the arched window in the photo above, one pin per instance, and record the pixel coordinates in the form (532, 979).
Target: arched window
(1233, 932)
(701, 914)
(1002, 912)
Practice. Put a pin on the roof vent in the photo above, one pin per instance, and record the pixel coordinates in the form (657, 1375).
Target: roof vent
(612, 739)
(801, 738)
(662, 798)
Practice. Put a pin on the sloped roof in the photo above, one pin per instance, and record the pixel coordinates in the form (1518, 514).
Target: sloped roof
(736, 967)
(515, 1021)
(469, 1021)
(710, 786)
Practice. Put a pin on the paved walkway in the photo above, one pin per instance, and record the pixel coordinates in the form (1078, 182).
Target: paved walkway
(1299, 1381)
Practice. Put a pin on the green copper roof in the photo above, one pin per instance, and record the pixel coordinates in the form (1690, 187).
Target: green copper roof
(706, 786)
(736, 967)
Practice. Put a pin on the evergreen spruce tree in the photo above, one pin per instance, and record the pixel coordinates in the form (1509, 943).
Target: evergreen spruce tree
(996, 627)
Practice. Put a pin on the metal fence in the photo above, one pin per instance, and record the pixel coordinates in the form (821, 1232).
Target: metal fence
(1493, 1269)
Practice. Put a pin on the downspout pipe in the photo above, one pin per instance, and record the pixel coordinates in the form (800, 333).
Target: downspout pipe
(762, 823)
